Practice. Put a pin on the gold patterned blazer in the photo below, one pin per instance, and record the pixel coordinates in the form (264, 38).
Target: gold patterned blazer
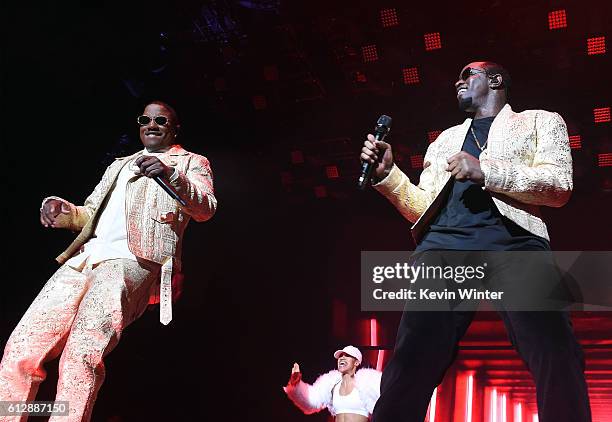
(155, 221)
(527, 164)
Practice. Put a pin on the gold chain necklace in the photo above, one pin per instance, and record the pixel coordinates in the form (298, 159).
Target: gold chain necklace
(476, 139)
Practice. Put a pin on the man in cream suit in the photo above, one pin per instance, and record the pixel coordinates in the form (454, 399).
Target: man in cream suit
(481, 190)
(129, 242)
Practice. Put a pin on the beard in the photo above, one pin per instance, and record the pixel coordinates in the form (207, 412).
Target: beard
(465, 103)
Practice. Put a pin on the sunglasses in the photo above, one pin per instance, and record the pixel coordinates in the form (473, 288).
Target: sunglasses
(145, 120)
(470, 71)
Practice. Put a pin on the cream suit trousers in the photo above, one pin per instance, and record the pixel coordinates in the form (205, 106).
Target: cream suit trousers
(80, 314)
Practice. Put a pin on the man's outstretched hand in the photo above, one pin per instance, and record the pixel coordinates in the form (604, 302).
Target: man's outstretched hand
(296, 375)
(464, 166)
(51, 210)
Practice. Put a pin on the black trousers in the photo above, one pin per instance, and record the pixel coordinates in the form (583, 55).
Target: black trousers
(427, 344)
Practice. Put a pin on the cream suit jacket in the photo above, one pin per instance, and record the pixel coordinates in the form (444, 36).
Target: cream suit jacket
(527, 164)
(155, 221)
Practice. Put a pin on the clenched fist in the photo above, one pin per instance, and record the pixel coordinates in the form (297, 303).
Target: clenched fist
(379, 153)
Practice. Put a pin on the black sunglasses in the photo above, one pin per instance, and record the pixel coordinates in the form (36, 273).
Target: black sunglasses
(471, 71)
(145, 120)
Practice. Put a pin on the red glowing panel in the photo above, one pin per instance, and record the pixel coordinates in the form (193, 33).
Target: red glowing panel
(332, 172)
(557, 19)
(373, 332)
(369, 53)
(360, 77)
(432, 135)
(601, 115)
(433, 41)
(604, 160)
(380, 359)
(297, 157)
(416, 161)
(575, 141)
(431, 410)
(518, 412)
(596, 45)
(469, 397)
(320, 191)
(411, 75)
(260, 102)
(388, 17)
(464, 397)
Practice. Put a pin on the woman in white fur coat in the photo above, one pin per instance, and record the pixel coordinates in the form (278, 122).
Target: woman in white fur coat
(349, 394)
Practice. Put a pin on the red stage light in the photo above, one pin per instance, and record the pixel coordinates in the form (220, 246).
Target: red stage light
(411, 75)
(596, 45)
(360, 77)
(432, 135)
(297, 157)
(575, 142)
(464, 397)
(416, 161)
(557, 19)
(518, 412)
(432, 41)
(373, 332)
(380, 359)
(431, 410)
(369, 53)
(604, 160)
(260, 102)
(332, 172)
(601, 115)
(320, 191)
(469, 397)
(388, 17)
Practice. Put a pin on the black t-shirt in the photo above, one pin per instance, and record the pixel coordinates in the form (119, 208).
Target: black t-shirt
(470, 220)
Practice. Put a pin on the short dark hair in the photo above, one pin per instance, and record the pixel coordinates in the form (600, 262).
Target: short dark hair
(171, 110)
(497, 69)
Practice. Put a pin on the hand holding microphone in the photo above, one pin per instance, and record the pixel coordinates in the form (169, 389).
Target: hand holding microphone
(376, 155)
(154, 168)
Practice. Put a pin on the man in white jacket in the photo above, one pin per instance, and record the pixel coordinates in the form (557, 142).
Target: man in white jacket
(348, 393)
(481, 189)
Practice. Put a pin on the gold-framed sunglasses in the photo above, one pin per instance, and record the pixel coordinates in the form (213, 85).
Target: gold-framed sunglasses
(145, 120)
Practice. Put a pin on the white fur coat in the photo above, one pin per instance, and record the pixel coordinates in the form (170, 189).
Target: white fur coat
(313, 398)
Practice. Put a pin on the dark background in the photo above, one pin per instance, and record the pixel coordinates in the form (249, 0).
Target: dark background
(263, 276)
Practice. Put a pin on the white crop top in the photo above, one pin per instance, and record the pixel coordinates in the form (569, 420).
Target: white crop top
(351, 403)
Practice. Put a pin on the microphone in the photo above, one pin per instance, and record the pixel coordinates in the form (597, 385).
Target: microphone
(169, 190)
(383, 127)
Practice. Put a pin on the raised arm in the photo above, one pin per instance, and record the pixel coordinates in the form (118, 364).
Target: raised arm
(411, 200)
(310, 398)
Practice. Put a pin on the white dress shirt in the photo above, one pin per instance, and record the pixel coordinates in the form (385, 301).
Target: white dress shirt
(110, 237)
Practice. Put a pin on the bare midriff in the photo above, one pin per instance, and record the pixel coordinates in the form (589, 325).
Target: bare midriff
(350, 417)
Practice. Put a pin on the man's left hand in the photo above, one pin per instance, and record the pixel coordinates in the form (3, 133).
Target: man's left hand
(152, 166)
(464, 166)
